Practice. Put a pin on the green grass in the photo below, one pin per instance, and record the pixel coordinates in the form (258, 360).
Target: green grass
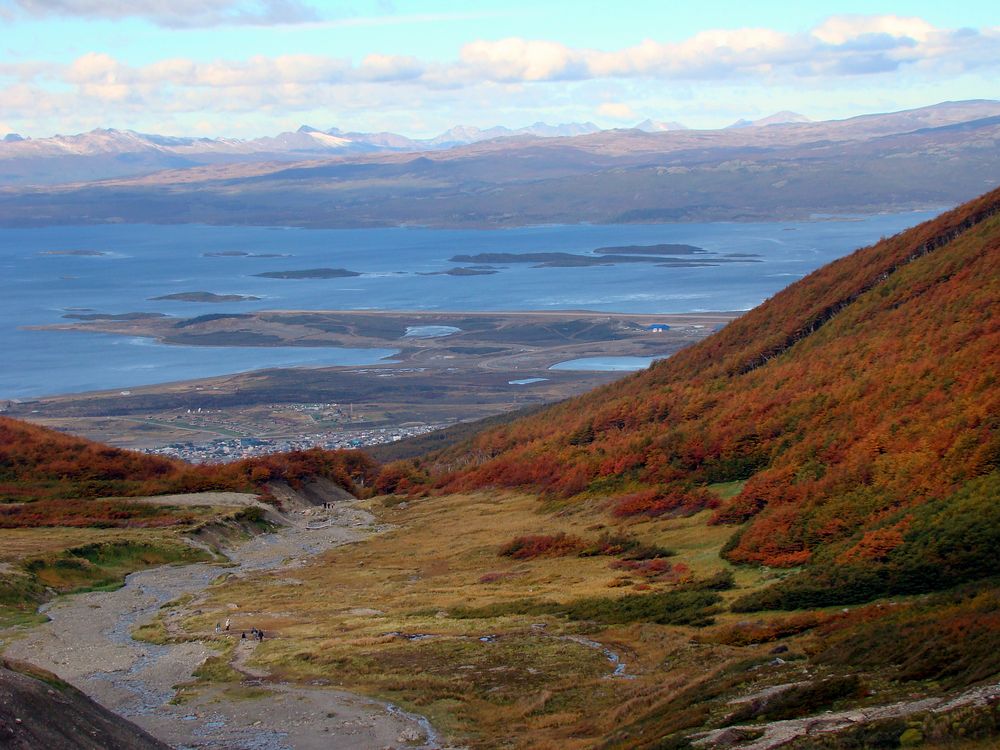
(246, 693)
(104, 565)
(15, 617)
(801, 700)
(216, 668)
(30, 670)
(152, 632)
(726, 490)
(690, 604)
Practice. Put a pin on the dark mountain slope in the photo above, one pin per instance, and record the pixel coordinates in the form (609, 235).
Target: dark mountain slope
(38, 710)
(860, 405)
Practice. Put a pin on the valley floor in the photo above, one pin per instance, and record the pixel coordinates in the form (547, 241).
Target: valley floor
(89, 643)
(379, 613)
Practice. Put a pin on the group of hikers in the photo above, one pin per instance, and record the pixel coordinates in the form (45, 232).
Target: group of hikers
(255, 633)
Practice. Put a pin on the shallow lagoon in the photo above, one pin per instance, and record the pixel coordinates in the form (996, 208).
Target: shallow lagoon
(49, 272)
(606, 364)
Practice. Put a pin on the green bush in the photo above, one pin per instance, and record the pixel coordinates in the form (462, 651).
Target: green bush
(952, 638)
(691, 604)
(948, 542)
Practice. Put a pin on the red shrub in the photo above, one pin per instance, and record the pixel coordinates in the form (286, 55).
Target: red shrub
(656, 569)
(672, 502)
(541, 545)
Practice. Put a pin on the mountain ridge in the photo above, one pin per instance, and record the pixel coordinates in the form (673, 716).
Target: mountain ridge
(109, 153)
(915, 160)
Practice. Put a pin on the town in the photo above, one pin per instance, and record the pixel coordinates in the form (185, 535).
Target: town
(233, 449)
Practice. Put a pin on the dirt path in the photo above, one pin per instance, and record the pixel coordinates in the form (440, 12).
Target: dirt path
(88, 643)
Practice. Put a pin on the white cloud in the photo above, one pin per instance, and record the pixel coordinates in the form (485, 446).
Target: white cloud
(844, 29)
(497, 76)
(173, 13)
(517, 59)
(840, 46)
(390, 68)
(616, 111)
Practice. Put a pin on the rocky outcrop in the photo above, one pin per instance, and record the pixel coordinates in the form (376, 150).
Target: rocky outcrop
(38, 710)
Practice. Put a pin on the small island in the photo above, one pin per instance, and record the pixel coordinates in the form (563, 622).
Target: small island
(575, 260)
(662, 249)
(242, 254)
(132, 316)
(205, 297)
(310, 273)
(462, 271)
(75, 253)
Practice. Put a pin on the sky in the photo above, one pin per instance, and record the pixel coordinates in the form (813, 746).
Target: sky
(245, 68)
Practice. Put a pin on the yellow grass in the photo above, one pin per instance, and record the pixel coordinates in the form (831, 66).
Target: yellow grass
(20, 544)
(527, 685)
(35, 559)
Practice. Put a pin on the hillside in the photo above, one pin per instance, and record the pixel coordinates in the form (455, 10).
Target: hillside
(51, 479)
(859, 406)
(608, 572)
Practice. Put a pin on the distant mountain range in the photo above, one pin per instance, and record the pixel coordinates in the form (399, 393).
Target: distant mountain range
(776, 167)
(107, 153)
(778, 118)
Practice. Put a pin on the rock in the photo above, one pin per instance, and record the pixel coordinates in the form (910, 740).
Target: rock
(733, 736)
(779, 650)
(364, 612)
(410, 735)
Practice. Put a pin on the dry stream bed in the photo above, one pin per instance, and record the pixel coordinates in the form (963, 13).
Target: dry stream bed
(88, 642)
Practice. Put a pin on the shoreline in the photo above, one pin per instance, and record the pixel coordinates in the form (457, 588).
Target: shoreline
(410, 350)
(494, 363)
(741, 217)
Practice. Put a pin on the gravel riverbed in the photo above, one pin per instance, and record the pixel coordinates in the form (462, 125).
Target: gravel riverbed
(88, 643)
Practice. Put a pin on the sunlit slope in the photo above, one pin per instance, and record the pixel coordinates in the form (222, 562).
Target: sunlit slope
(48, 478)
(854, 404)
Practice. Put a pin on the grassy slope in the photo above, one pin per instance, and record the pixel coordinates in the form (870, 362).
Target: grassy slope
(530, 687)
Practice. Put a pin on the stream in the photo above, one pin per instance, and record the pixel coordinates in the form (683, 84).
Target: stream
(88, 643)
